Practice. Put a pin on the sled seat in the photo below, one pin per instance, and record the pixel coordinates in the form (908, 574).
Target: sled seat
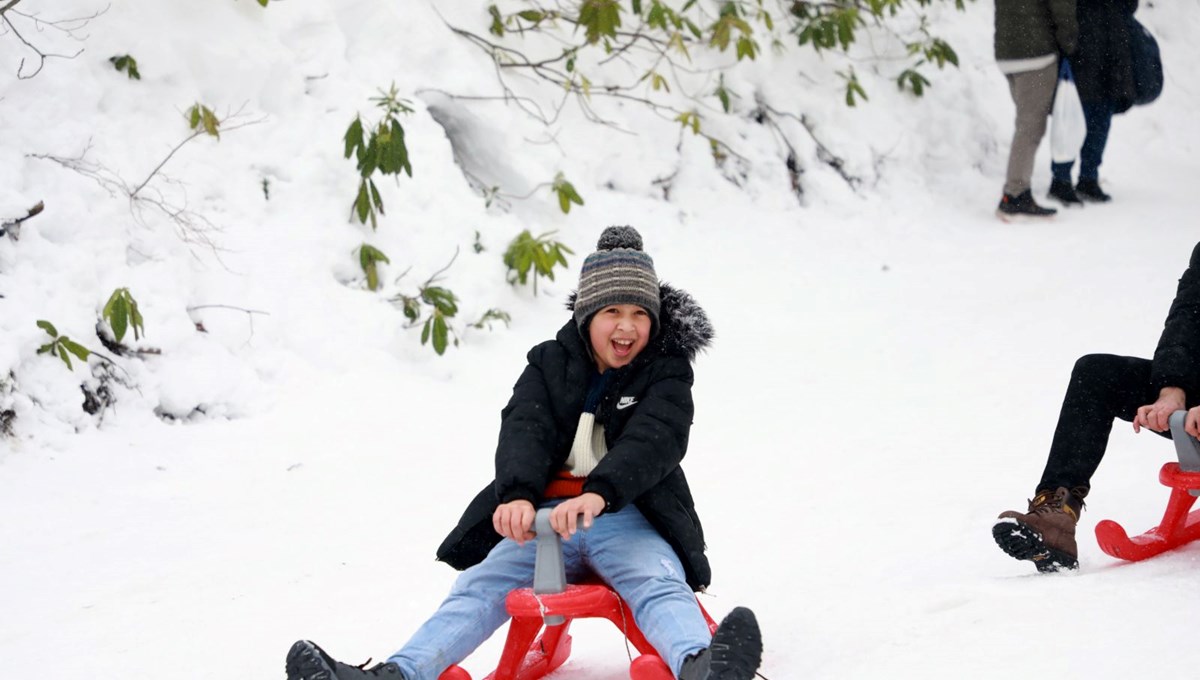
(1178, 525)
(531, 652)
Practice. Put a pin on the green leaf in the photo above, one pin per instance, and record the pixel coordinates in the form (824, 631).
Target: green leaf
(425, 330)
(440, 334)
(532, 15)
(368, 257)
(372, 276)
(354, 136)
(48, 327)
(362, 204)
(135, 319)
(128, 65)
(600, 18)
(497, 27)
(263, 2)
(636, 6)
(209, 119)
(194, 116)
(106, 313)
(75, 348)
(48, 347)
(376, 199)
(119, 319)
(412, 308)
(61, 354)
(724, 96)
(746, 48)
(442, 300)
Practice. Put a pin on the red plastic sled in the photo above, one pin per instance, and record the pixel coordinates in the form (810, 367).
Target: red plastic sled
(554, 604)
(528, 655)
(1178, 526)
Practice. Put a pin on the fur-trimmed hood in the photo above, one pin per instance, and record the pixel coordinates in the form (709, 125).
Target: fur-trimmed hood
(684, 327)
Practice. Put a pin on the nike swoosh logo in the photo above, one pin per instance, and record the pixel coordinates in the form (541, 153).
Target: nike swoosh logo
(625, 403)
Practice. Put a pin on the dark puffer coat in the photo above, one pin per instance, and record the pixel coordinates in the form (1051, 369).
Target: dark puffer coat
(1103, 63)
(646, 441)
(1033, 28)
(1177, 357)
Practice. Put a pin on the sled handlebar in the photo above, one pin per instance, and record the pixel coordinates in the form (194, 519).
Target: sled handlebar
(549, 571)
(1187, 448)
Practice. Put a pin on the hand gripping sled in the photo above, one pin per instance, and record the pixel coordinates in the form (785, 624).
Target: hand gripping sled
(552, 602)
(1178, 526)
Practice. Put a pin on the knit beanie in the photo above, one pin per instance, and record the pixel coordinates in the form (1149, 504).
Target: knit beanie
(618, 273)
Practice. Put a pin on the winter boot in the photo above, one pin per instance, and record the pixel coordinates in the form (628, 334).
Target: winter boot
(735, 652)
(306, 661)
(1021, 206)
(1064, 193)
(1045, 534)
(1089, 190)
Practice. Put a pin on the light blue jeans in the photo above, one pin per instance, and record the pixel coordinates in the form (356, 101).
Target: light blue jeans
(621, 548)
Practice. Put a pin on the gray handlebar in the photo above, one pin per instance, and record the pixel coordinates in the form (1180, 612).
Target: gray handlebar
(549, 570)
(1186, 446)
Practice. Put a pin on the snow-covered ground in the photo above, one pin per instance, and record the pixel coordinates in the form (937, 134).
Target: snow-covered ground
(885, 379)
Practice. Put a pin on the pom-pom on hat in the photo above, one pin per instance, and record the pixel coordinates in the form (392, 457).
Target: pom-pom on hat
(618, 273)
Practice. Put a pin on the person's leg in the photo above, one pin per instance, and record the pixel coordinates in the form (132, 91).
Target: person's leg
(625, 550)
(1061, 172)
(1033, 94)
(469, 615)
(1099, 119)
(1102, 387)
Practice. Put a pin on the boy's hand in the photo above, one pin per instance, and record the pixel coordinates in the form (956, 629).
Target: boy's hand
(1192, 424)
(1157, 416)
(564, 518)
(514, 519)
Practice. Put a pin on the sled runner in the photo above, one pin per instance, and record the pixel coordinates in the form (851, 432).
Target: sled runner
(553, 603)
(1178, 526)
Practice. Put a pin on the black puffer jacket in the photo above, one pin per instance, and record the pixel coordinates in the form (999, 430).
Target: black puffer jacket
(1033, 28)
(1177, 357)
(645, 441)
(1103, 63)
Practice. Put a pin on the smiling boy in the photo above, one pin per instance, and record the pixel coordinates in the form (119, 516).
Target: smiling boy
(596, 428)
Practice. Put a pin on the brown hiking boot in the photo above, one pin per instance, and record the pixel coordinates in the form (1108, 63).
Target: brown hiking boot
(1045, 534)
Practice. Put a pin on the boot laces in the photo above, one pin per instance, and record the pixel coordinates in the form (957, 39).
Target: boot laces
(1048, 502)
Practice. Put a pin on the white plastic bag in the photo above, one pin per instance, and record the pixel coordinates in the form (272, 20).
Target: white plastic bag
(1068, 127)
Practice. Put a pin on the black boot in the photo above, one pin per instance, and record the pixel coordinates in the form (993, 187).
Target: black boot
(1021, 206)
(1089, 190)
(1064, 193)
(735, 652)
(306, 661)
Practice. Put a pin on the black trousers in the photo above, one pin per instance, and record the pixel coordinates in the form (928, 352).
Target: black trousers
(1102, 387)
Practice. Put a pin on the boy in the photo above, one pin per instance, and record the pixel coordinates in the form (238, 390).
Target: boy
(1103, 386)
(596, 428)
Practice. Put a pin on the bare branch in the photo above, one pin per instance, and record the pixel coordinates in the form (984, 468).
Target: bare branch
(240, 309)
(134, 192)
(69, 27)
(823, 153)
(191, 227)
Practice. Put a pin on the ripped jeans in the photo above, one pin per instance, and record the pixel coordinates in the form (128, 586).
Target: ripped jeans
(621, 548)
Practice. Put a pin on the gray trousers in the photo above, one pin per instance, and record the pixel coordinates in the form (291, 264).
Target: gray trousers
(1033, 93)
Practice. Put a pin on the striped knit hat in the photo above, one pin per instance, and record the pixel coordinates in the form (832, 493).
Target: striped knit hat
(617, 273)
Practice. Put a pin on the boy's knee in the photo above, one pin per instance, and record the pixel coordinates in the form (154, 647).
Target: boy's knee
(1093, 364)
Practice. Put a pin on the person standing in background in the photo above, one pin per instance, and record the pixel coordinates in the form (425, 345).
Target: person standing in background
(1030, 37)
(1103, 70)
